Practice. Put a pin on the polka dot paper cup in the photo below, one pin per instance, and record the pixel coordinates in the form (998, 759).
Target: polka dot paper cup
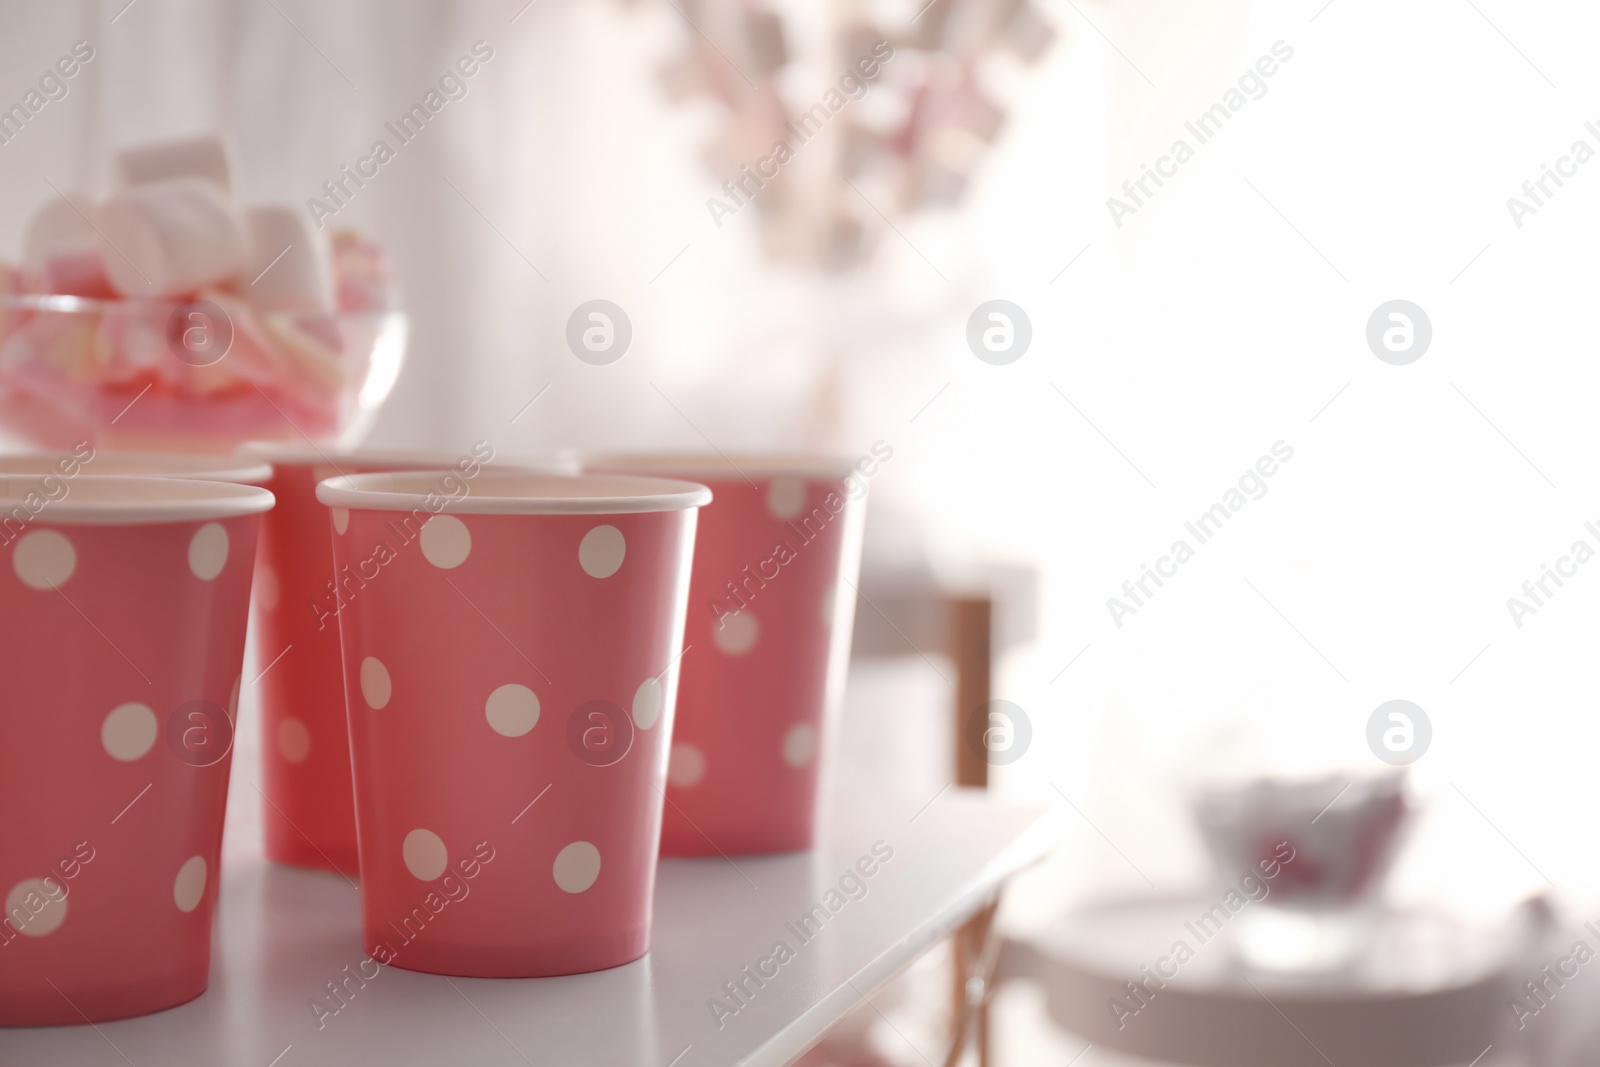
(511, 669)
(770, 614)
(121, 644)
(84, 459)
(309, 819)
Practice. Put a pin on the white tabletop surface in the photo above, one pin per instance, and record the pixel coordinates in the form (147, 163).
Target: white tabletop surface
(1414, 987)
(283, 933)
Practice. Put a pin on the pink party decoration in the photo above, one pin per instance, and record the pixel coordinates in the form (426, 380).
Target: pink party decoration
(122, 645)
(510, 664)
(771, 607)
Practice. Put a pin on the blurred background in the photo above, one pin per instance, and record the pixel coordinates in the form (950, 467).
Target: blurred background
(1172, 345)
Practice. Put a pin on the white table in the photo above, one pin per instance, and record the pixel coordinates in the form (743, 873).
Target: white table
(283, 933)
(1423, 988)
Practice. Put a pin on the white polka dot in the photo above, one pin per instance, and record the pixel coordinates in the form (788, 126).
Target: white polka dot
(800, 744)
(685, 766)
(129, 731)
(43, 559)
(736, 632)
(577, 866)
(375, 685)
(190, 885)
(647, 701)
(36, 906)
(601, 551)
(786, 497)
(512, 710)
(446, 542)
(294, 740)
(233, 700)
(341, 519)
(268, 590)
(425, 855)
(208, 551)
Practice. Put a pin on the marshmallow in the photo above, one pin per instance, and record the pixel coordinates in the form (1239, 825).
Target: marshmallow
(77, 274)
(207, 156)
(59, 228)
(362, 273)
(287, 261)
(11, 284)
(170, 237)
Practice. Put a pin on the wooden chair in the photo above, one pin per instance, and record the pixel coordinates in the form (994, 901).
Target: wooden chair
(968, 619)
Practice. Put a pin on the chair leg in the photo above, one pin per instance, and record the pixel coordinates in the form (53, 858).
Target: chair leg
(971, 649)
(977, 950)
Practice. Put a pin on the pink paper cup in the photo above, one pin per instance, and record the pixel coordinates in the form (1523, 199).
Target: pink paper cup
(510, 670)
(85, 459)
(309, 818)
(39, 478)
(771, 606)
(121, 647)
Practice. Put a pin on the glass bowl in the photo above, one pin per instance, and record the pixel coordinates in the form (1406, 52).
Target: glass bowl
(195, 376)
(1323, 843)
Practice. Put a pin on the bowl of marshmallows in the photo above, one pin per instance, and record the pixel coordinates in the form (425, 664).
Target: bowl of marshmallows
(166, 315)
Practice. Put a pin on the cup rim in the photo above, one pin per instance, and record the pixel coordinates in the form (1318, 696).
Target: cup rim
(734, 466)
(126, 500)
(513, 492)
(391, 460)
(120, 463)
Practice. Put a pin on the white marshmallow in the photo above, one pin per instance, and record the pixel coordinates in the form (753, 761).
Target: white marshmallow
(170, 237)
(207, 156)
(302, 280)
(58, 229)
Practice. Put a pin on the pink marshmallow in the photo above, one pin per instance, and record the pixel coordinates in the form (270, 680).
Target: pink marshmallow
(361, 272)
(207, 156)
(77, 274)
(287, 265)
(11, 284)
(170, 237)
